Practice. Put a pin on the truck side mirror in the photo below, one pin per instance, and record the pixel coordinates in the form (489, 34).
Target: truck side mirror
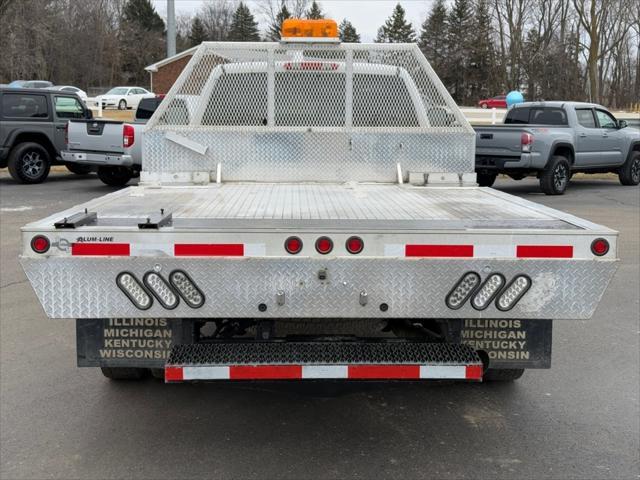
(88, 114)
(622, 124)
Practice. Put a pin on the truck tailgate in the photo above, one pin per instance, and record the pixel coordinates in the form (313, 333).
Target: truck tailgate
(499, 141)
(95, 136)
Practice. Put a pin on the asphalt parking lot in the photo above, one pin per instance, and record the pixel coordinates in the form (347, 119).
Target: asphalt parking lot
(578, 420)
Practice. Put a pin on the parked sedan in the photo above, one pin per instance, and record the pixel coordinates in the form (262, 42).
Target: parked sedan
(123, 98)
(68, 88)
(494, 102)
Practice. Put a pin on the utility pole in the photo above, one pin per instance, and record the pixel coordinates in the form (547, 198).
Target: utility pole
(171, 28)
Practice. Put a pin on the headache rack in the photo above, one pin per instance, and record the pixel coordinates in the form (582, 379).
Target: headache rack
(287, 112)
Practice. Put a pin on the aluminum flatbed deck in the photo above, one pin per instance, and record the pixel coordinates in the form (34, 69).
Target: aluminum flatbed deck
(363, 207)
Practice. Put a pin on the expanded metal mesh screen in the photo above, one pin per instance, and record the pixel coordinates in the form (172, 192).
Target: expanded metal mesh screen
(302, 112)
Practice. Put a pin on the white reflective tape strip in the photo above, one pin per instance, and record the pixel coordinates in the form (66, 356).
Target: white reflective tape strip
(442, 371)
(255, 250)
(325, 371)
(205, 373)
(151, 249)
(494, 251)
(394, 250)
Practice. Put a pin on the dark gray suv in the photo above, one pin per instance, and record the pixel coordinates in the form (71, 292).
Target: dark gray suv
(33, 126)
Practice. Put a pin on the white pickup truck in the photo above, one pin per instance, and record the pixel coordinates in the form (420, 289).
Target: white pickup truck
(114, 147)
(314, 216)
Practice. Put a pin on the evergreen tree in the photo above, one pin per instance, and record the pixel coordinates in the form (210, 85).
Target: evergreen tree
(460, 24)
(141, 39)
(482, 79)
(348, 32)
(275, 29)
(141, 14)
(396, 29)
(244, 28)
(433, 37)
(198, 34)
(315, 12)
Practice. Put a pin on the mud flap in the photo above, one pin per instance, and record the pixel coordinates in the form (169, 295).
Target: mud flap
(129, 342)
(510, 343)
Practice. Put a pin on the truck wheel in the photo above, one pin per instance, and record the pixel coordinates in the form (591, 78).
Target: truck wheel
(29, 162)
(122, 373)
(629, 173)
(555, 177)
(486, 179)
(122, 105)
(115, 176)
(78, 169)
(502, 375)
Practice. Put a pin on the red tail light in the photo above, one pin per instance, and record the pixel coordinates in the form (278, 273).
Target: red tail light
(324, 245)
(600, 247)
(354, 245)
(293, 245)
(128, 135)
(40, 244)
(526, 139)
(66, 133)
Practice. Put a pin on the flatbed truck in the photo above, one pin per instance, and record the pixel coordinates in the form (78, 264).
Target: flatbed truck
(314, 215)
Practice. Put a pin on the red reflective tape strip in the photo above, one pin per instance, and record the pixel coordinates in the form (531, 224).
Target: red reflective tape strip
(209, 249)
(473, 372)
(544, 251)
(438, 250)
(383, 371)
(265, 372)
(173, 374)
(106, 249)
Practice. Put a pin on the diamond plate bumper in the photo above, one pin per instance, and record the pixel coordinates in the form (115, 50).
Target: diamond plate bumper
(234, 288)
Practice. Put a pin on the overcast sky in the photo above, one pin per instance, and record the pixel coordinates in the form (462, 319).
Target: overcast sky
(366, 15)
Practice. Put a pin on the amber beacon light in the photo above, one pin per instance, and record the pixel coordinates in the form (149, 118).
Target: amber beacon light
(300, 28)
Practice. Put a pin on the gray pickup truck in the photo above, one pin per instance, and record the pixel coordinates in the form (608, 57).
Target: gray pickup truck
(554, 140)
(114, 147)
(33, 130)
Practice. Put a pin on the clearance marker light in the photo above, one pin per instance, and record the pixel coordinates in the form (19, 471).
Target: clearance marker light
(463, 290)
(132, 289)
(161, 290)
(187, 288)
(40, 244)
(490, 288)
(513, 293)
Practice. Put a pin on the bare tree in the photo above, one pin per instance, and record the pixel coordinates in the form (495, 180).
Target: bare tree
(217, 16)
(606, 24)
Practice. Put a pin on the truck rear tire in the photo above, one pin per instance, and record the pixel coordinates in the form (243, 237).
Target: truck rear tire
(29, 162)
(629, 173)
(115, 176)
(122, 373)
(502, 375)
(78, 169)
(555, 177)
(486, 179)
